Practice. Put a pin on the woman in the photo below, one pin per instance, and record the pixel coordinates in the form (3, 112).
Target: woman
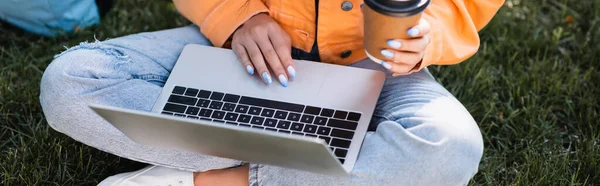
(419, 135)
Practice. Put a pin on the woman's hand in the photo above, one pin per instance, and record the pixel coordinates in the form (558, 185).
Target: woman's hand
(405, 54)
(260, 38)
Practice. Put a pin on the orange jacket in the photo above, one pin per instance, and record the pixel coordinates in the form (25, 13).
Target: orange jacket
(454, 23)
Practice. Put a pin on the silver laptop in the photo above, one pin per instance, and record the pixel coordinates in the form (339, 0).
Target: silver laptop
(211, 105)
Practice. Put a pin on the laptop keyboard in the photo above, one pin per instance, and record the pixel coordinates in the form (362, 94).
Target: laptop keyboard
(335, 127)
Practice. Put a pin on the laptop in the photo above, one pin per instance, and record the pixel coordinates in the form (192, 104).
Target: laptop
(211, 105)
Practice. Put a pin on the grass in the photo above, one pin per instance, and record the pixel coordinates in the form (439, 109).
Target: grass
(533, 87)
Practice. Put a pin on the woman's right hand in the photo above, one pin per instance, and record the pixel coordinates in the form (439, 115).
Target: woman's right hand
(261, 36)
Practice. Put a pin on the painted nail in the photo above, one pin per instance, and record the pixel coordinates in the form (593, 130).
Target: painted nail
(266, 77)
(394, 44)
(291, 71)
(413, 32)
(249, 69)
(283, 80)
(386, 65)
(387, 54)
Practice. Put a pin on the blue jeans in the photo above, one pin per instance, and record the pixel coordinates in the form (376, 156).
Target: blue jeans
(419, 135)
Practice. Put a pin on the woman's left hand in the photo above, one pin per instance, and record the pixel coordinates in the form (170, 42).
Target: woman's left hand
(405, 54)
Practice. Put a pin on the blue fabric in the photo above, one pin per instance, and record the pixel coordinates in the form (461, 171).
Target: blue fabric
(50, 17)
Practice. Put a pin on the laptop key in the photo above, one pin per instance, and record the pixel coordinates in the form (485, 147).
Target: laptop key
(270, 122)
(231, 123)
(267, 112)
(192, 110)
(231, 116)
(257, 127)
(297, 126)
(206, 119)
(254, 111)
(231, 98)
(312, 110)
(341, 153)
(353, 116)
(182, 100)
(178, 90)
(219, 121)
(191, 92)
(323, 130)
(285, 131)
(180, 115)
(244, 125)
(293, 116)
(327, 139)
(307, 118)
(244, 118)
(192, 117)
(340, 114)
(271, 129)
(217, 96)
(340, 143)
(310, 129)
(241, 109)
(271, 104)
(281, 114)
(203, 103)
(311, 135)
(341, 160)
(167, 113)
(350, 125)
(327, 112)
(204, 94)
(215, 105)
(283, 124)
(298, 133)
(174, 108)
(228, 107)
(257, 120)
(205, 113)
(342, 134)
(218, 114)
(320, 121)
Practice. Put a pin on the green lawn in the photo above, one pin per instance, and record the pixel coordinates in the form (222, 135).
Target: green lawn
(534, 89)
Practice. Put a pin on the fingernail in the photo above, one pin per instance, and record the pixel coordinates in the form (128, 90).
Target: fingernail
(266, 77)
(386, 65)
(394, 44)
(249, 69)
(283, 80)
(387, 54)
(413, 32)
(291, 71)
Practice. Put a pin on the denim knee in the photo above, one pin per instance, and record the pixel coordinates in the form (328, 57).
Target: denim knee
(63, 81)
(459, 142)
(465, 147)
(436, 133)
(54, 89)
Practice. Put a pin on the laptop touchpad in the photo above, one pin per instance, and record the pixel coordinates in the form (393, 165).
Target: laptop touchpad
(308, 82)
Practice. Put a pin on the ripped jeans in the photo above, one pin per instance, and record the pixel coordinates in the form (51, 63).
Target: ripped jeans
(420, 134)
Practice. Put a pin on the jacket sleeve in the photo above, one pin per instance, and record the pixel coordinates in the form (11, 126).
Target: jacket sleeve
(454, 29)
(218, 19)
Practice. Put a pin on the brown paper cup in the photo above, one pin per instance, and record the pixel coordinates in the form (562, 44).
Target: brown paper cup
(379, 28)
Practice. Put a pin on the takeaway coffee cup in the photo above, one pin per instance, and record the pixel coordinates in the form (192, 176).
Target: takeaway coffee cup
(389, 19)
